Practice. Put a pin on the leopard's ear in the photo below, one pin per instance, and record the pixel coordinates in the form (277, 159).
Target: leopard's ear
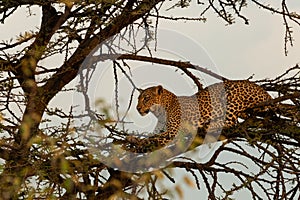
(159, 89)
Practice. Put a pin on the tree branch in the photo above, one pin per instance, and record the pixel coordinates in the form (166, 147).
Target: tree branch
(69, 70)
(179, 64)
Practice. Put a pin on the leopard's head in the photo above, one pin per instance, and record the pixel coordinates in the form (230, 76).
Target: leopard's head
(149, 100)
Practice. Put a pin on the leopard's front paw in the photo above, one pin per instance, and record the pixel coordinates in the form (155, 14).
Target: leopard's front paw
(132, 139)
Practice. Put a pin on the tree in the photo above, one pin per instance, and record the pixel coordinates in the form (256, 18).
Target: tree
(42, 150)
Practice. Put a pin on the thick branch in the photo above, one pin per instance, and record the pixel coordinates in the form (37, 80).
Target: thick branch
(70, 69)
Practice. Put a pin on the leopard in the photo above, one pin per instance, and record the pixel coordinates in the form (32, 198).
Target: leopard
(212, 108)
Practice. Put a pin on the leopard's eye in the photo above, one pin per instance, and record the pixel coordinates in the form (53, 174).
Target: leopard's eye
(146, 98)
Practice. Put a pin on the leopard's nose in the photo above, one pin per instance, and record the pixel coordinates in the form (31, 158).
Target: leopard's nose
(142, 110)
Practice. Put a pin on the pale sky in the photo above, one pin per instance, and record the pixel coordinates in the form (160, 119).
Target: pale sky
(236, 52)
(241, 50)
